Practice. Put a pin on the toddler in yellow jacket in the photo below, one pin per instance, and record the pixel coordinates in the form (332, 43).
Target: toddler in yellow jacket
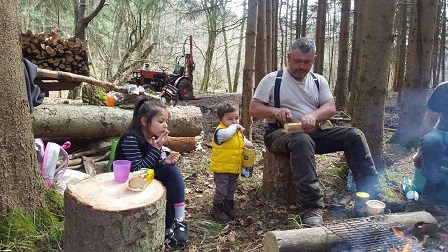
(228, 144)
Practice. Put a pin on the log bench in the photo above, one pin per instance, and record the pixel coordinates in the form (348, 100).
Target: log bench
(278, 183)
(321, 239)
(101, 215)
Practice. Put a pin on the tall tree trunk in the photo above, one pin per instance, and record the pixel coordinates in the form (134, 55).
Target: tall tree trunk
(260, 55)
(304, 17)
(226, 51)
(442, 76)
(22, 186)
(331, 49)
(269, 40)
(298, 17)
(249, 67)
(212, 9)
(435, 50)
(320, 35)
(341, 88)
(400, 61)
(353, 71)
(240, 46)
(275, 35)
(81, 23)
(368, 114)
(417, 77)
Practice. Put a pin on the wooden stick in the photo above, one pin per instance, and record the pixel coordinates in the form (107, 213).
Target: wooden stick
(293, 127)
(76, 77)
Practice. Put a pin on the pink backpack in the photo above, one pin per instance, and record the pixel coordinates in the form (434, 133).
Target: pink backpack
(48, 156)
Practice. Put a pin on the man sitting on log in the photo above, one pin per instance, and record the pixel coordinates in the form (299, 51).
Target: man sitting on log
(295, 94)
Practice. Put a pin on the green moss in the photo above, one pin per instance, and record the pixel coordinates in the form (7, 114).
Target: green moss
(93, 95)
(42, 231)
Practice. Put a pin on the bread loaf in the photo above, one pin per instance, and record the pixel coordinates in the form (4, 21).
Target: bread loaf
(142, 179)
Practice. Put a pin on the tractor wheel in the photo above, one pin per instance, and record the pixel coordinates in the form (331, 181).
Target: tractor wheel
(185, 89)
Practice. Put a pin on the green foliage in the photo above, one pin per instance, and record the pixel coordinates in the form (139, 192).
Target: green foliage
(40, 232)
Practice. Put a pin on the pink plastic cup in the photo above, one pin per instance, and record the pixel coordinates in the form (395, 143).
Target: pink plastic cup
(122, 168)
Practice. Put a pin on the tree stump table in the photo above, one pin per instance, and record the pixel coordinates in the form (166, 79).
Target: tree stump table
(102, 215)
(278, 183)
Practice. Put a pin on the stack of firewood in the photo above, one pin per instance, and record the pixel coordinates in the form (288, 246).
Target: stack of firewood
(54, 52)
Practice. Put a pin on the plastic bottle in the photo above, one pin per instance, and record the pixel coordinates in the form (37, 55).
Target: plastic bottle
(409, 188)
(113, 147)
(351, 185)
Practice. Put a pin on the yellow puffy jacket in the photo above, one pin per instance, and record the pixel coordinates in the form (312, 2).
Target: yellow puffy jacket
(228, 156)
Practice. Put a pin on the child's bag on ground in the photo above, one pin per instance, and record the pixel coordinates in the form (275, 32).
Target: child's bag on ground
(52, 160)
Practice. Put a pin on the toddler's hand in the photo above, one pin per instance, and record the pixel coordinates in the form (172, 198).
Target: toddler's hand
(240, 128)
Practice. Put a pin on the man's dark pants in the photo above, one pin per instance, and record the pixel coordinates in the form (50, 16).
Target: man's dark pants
(303, 146)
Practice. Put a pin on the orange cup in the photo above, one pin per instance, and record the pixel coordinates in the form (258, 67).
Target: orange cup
(110, 101)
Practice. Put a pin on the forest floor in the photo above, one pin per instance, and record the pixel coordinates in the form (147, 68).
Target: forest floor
(257, 215)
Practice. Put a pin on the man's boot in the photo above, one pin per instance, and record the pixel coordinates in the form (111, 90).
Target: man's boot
(229, 210)
(218, 213)
(430, 192)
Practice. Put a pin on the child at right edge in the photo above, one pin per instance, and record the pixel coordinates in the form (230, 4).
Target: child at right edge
(228, 145)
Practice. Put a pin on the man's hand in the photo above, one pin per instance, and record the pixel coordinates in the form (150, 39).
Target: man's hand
(282, 114)
(418, 160)
(160, 141)
(308, 123)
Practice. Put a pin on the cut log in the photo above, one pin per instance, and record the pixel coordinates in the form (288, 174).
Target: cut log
(278, 183)
(321, 239)
(101, 215)
(50, 121)
(182, 144)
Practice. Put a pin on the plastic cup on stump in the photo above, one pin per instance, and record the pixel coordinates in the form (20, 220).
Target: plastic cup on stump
(121, 168)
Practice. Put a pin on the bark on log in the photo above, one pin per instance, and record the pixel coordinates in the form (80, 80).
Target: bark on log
(321, 239)
(50, 121)
(278, 183)
(182, 144)
(101, 215)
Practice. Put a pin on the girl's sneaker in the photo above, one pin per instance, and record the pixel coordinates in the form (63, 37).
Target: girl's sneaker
(177, 235)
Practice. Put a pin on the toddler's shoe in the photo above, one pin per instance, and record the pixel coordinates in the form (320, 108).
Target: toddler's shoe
(229, 210)
(218, 213)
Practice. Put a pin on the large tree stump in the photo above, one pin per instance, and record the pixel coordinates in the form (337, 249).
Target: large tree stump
(101, 215)
(278, 183)
(321, 239)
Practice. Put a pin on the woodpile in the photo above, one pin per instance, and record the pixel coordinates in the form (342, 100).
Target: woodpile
(54, 52)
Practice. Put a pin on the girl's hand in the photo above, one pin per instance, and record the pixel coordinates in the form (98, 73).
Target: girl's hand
(171, 159)
(158, 143)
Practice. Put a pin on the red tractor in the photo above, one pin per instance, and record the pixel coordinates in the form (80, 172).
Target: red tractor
(181, 78)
